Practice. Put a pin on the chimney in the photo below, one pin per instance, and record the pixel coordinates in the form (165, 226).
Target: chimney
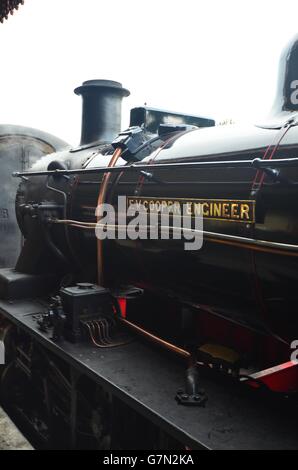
(286, 100)
(101, 115)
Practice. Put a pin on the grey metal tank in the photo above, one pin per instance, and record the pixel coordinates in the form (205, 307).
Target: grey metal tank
(20, 148)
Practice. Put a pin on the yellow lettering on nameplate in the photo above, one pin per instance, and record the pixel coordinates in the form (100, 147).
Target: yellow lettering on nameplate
(214, 209)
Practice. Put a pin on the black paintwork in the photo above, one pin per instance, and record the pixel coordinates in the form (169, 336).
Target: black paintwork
(101, 115)
(250, 287)
(151, 119)
(255, 287)
(234, 417)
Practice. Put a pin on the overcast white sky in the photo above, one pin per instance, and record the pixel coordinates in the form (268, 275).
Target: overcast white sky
(213, 57)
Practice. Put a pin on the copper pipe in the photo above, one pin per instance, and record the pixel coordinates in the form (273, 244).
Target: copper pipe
(156, 339)
(276, 248)
(101, 332)
(70, 221)
(104, 346)
(92, 338)
(82, 226)
(100, 201)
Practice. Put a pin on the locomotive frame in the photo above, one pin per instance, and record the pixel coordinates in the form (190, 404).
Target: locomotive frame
(234, 418)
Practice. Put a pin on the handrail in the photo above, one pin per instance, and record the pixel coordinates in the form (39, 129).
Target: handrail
(255, 163)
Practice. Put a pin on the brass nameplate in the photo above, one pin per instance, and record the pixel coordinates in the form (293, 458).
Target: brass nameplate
(215, 209)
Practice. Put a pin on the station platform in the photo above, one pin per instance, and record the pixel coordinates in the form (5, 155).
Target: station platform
(10, 437)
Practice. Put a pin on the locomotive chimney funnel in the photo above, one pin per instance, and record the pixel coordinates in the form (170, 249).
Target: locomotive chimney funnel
(286, 100)
(101, 114)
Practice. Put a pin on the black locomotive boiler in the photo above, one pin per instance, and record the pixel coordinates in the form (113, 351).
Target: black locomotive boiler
(246, 270)
(229, 306)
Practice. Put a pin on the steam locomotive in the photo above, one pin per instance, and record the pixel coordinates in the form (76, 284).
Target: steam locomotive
(229, 306)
